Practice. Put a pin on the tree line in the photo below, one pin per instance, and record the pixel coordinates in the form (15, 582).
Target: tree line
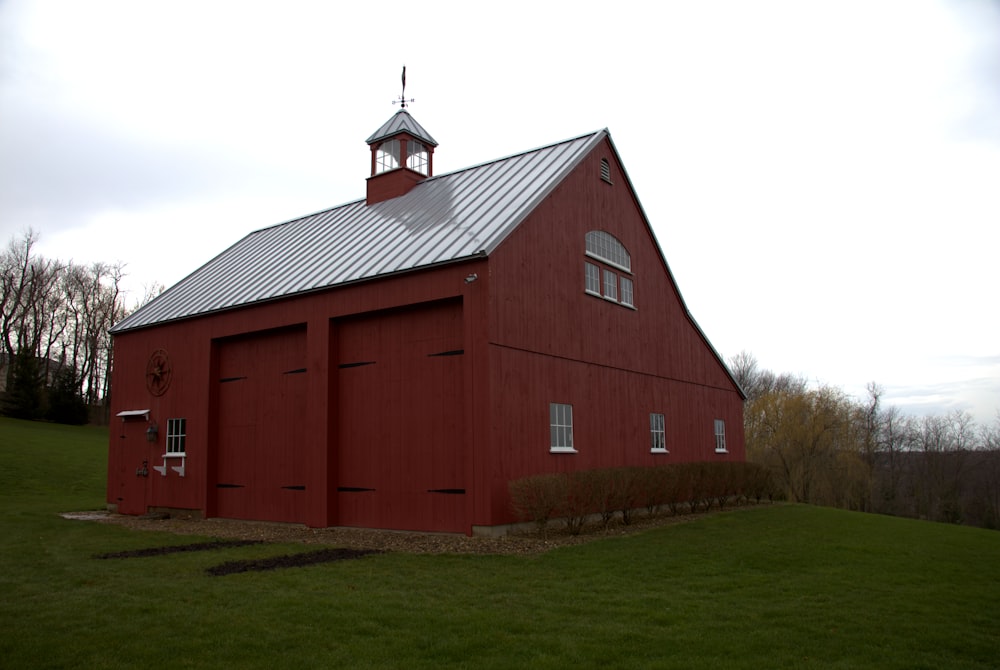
(827, 448)
(55, 318)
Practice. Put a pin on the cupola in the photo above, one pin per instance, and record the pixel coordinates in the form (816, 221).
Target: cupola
(402, 155)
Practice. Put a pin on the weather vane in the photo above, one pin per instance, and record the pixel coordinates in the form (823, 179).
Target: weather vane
(402, 96)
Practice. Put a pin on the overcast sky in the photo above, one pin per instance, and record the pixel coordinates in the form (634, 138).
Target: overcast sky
(823, 177)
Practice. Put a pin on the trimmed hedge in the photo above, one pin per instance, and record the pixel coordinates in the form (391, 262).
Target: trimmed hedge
(575, 497)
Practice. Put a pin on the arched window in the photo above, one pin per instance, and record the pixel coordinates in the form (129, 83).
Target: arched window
(607, 273)
(606, 247)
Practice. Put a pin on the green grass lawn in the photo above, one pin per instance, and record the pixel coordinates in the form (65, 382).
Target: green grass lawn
(769, 587)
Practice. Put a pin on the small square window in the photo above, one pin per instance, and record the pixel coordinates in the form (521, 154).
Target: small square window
(561, 427)
(657, 433)
(720, 436)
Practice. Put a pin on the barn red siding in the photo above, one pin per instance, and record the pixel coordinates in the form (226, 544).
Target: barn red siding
(400, 420)
(270, 435)
(260, 424)
(552, 342)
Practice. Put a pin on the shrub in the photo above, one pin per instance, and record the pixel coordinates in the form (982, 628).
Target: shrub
(582, 489)
(538, 497)
(624, 491)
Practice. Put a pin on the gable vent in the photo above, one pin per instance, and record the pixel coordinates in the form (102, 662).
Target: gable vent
(605, 170)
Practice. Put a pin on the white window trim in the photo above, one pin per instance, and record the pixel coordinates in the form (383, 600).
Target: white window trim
(175, 436)
(722, 449)
(604, 260)
(662, 431)
(562, 449)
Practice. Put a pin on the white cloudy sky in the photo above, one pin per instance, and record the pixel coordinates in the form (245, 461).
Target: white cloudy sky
(823, 177)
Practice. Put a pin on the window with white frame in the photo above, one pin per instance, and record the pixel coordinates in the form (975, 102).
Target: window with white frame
(610, 285)
(416, 156)
(560, 427)
(626, 286)
(657, 433)
(177, 436)
(387, 156)
(608, 268)
(720, 436)
(593, 279)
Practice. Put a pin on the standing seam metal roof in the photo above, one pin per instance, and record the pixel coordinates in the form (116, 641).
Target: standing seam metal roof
(443, 218)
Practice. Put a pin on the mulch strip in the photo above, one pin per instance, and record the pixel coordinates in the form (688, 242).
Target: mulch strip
(289, 561)
(178, 548)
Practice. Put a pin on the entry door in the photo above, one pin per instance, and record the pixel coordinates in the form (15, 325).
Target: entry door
(135, 460)
(401, 452)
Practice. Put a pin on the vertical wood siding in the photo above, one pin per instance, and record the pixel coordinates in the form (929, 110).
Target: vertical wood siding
(400, 420)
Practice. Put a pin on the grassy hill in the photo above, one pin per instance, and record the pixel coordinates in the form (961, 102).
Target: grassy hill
(769, 587)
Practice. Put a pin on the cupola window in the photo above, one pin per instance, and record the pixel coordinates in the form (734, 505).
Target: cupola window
(416, 156)
(388, 156)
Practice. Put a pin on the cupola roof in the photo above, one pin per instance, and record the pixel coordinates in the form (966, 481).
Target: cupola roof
(402, 122)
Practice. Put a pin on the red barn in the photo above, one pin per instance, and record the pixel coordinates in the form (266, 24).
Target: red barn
(394, 362)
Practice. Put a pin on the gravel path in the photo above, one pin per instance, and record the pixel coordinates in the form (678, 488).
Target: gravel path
(381, 540)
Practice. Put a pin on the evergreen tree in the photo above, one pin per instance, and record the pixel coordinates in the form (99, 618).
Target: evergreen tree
(25, 393)
(66, 404)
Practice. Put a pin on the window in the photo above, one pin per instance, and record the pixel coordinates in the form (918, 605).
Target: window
(626, 285)
(593, 279)
(605, 170)
(657, 434)
(610, 285)
(561, 427)
(387, 157)
(720, 436)
(177, 436)
(604, 246)
(416, 156)
(605, 273)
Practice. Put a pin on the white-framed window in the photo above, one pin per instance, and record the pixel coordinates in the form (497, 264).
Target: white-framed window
(610, 285)
(720, 436)
(593, 278)
(177, 436)
(606, 247)
(657, 433)
(561, 427)
(387, 156)
(416, 156)
(607, 268)
(626, 286)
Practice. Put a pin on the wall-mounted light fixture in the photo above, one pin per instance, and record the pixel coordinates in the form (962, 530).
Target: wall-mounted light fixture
(152, 432)
(471, 278)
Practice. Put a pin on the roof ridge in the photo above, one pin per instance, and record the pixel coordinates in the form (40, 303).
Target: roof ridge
(516, 155)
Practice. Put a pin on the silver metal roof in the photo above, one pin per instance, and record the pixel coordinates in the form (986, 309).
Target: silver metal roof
(401, 122)
(445, 218)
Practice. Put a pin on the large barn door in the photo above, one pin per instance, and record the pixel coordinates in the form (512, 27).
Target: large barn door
(260, 414)
(401, 456)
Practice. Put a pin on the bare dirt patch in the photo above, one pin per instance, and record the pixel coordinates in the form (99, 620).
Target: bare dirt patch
(289, 561)
(177, 549)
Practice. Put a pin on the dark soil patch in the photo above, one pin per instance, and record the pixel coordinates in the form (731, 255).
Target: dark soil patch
(289, 561)
(178, 548)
